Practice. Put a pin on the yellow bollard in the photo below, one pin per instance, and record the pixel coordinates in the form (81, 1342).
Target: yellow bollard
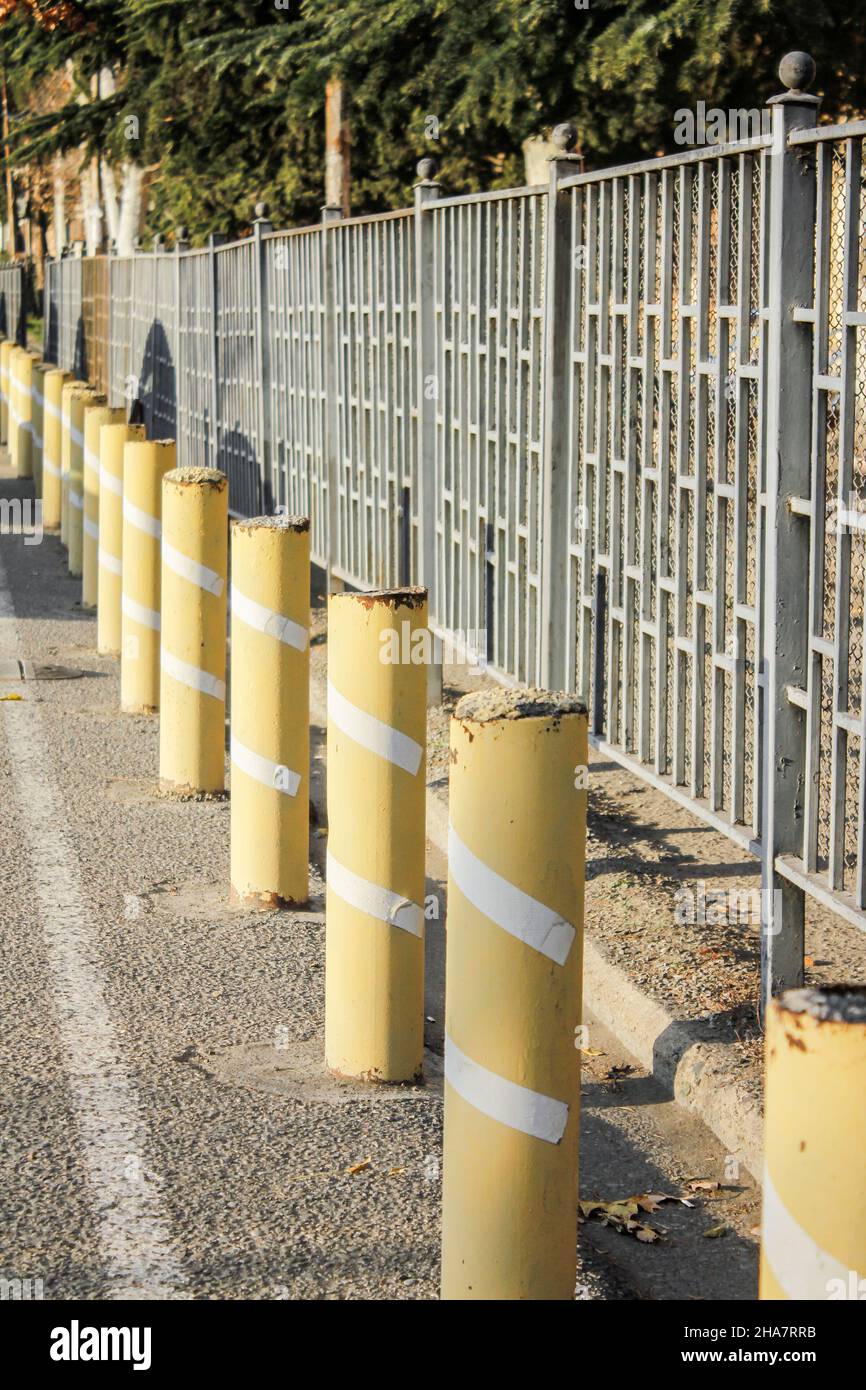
(516, 854)
(144, 467)
(813, 1227)
(193, 655)
(79, 401)
(6, 349)
(14, 393)
(55, 380)
(112, 442)
(96, 415)
(70, 387)
(21, 412)
(13, 399)
(37, 424)
(270, 746)
(377, 721)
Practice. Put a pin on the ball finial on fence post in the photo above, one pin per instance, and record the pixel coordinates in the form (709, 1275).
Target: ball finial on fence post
(426, 169)
(261, 211)
(565, 137)
(797, 71)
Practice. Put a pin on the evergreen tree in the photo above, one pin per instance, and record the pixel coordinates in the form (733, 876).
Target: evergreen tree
(227, 98)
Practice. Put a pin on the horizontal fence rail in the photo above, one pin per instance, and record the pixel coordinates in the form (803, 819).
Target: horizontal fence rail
(600, 419)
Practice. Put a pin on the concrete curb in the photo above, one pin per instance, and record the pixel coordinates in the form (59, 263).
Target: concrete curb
(696, 1072)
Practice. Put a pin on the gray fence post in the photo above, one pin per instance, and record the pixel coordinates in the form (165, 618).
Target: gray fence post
(214, 240)
(786, 550)
(48, 295)
(263, 374)
(427, 191)
(181, 395)
(556, 661)
(331, 214)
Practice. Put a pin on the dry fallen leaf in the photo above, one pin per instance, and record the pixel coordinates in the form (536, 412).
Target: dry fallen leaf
(703, 1185)
(620, 1216)
(359, 1167)
(591, 1052)
(11, 697)
(715, 1231)
(395, 1172)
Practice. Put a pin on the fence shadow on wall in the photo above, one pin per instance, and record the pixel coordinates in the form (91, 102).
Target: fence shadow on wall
(155, 384)
(236, 456)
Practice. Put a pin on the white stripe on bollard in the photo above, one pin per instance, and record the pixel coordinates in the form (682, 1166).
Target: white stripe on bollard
(263, 619)
(197, 574)
(377, 902)
(541, 1117)
(509, 907)
(270, 774)
(372, 734)
(193, 676)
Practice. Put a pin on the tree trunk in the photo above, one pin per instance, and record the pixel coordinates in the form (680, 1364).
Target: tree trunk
(109, 199)
(11, 219)
(59, 210)
(129, 218)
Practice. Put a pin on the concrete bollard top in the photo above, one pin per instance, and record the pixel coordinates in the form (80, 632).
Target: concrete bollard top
(412, 596)
(488, 706)
(197, 477)
(299, 524)
(826, 1003)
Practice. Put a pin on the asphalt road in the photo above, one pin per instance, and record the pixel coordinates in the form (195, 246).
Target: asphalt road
(169, 1130)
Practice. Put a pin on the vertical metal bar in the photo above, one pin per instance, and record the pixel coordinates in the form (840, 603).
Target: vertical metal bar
(213, 432)
(556, 660)
(792, 215)
(599, 614)
(616, 558)
(648, 610)
(818, 474)
(842, 624)
(329, 257)
(664, 463)
(720, 669)
(631, 474)
(741, 396)
(698, 615)
(589, 458)
(681, 483)
(262, 385)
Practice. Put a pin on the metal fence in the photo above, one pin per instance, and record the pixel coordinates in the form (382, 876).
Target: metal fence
(616, 423)
(13, 303)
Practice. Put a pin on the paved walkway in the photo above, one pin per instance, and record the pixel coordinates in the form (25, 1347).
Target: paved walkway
(169, 1129)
